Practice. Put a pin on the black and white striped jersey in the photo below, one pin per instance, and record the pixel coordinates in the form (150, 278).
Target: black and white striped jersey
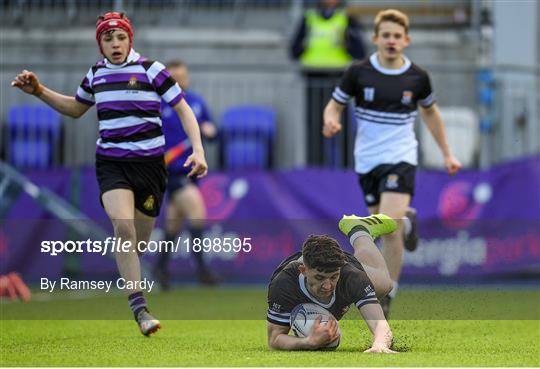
(385, 109)
(288, 289)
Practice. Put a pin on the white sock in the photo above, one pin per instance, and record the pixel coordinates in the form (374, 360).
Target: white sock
(407, 226)
(393, 293)
(359, 234)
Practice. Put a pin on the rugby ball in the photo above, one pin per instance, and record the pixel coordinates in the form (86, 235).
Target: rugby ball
(304, 315)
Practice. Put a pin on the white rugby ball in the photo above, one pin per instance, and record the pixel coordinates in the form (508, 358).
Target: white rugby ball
(304, 315)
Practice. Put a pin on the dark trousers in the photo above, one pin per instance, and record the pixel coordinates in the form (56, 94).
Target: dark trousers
(337, 151)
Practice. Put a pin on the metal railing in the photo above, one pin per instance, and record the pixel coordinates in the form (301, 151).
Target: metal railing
(193, 13)
(272, 14)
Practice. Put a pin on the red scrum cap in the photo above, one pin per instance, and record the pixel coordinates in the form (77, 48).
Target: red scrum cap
(112, 20)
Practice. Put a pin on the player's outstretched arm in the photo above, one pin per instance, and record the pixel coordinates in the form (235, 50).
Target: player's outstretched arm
(196, 160)
(320, 335)
(332, 118)
(28, 82)
(382, 335)
(433, 119)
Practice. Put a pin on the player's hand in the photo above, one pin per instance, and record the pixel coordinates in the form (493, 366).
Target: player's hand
(451, 164)
(331, 128)
(381, 348)
(28, 82)
(197, 163)
(323, 334)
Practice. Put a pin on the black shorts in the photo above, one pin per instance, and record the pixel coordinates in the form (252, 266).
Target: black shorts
(387, 178)
(147, 180)
(177, 181)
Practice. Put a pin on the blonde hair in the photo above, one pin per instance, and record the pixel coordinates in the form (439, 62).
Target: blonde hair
(392, 15)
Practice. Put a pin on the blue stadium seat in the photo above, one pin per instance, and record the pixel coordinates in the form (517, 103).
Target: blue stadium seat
(245, 154)
(247, 134)
(34, 133)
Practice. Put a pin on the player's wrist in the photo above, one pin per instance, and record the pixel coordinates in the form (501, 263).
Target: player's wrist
(386, 342)
(38, 89)
(198, 149)
(380, 346)
(447, 154)
(310, 343)
(383, 342)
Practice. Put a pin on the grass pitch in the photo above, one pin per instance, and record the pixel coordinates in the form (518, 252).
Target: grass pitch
(190, 338)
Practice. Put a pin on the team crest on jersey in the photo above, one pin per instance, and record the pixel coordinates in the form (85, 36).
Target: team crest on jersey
(392, 181)
(406, 99)
(132, 82)
(369, 93)
(149, 203)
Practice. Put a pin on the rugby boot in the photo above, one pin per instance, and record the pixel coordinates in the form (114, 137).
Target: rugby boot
(376, 225)
(411, 239)
(147, 323)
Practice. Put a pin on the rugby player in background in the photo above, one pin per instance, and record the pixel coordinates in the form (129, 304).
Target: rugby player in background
(185, 199)
(387, 88)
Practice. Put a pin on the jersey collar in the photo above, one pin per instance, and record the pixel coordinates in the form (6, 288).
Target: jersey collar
(375, 62)
(132, 56)
(302, 282)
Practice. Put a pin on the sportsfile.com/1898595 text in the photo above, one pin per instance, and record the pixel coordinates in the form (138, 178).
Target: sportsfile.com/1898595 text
(114, 244)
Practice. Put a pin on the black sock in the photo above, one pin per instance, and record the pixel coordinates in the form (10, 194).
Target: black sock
(197, 232)
(164, 256)
(356, 232)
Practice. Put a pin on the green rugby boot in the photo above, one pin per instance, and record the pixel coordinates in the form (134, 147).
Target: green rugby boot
(376, 225)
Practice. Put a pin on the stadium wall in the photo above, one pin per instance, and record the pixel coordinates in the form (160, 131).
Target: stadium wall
(228, 67)
(238, 54)
(518, 73)
(480, 224)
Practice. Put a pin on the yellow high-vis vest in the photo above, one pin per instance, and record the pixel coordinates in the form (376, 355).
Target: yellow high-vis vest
(325, 41)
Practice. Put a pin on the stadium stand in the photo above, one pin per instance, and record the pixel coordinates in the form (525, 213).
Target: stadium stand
(34, 135)
(247, 134)
(237, 53)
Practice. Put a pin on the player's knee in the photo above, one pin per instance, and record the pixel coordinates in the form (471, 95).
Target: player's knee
(382, 283)
(383, 287)
(386, 287)
(124, 229)
(393, 237)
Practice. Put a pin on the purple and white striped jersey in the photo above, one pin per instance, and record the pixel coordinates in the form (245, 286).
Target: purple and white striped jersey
(128, 100)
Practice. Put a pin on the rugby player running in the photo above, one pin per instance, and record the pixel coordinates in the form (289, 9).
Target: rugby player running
(127, 89)
(387, 88)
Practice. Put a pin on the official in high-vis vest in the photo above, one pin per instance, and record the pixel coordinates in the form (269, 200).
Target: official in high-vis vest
(327, 37)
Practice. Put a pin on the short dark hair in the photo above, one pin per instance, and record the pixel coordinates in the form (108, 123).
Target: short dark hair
(176, 63)
(323, 253)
